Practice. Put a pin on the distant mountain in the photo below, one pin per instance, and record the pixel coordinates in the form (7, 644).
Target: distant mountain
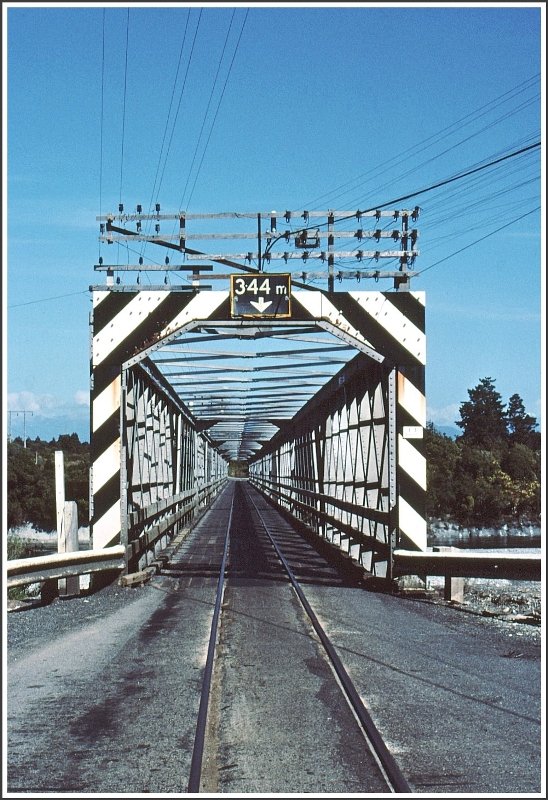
(448, 430)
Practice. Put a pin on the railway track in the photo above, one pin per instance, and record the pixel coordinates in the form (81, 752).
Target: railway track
(251, 517)
(103, 692)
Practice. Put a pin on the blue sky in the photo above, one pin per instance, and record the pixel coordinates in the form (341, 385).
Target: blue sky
(314, 107)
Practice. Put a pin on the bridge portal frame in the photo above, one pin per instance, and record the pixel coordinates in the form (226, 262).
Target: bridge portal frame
(129, 323)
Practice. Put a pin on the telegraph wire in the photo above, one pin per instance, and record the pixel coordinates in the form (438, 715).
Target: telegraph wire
(166, 126)
(124, 106)
(437, 137)
(477, 241)
(218, 105)
(102, 122)
(45, 299)
(418, 192)
(432, 159)
(207, 107)
(179, 104)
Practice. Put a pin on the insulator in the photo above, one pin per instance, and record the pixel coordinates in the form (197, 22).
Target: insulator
(140, 259)
(287, 216)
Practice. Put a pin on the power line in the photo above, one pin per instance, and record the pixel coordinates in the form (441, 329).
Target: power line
(45, 299)
(403, 157)
(207, 107)
(481, 239)
(444, 182)
(124, 106)
(166, 126)
(218, 106)
(102, 121)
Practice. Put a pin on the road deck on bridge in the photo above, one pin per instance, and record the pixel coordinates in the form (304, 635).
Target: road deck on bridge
(103, 691)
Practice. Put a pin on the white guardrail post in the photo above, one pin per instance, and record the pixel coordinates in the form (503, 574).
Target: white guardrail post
(67, 526)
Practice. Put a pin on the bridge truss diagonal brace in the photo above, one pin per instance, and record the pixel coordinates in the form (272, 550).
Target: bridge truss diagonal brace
(151, 468)
(367, 453)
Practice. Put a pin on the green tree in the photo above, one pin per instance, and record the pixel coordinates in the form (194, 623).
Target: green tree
(521, 426)
(483, 490)
(442, 455)
(31, 481)
(483, 419)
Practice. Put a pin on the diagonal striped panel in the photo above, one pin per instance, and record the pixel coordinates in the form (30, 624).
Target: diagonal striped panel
(412, 462)
(107, 528)
(395, 326)
(412, 400)
(106, 465)
(124, 322)
(106, 403)
(201, 306)
(412, 525)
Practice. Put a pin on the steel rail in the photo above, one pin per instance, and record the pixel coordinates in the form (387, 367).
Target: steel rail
(199, 738)
(392, 773)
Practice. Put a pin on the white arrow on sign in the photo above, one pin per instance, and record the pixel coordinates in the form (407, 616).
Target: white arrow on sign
(261, 304)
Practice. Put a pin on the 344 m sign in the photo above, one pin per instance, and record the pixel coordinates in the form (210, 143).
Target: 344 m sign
(260, 295)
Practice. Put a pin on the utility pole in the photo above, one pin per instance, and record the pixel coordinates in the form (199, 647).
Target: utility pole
(24, 413)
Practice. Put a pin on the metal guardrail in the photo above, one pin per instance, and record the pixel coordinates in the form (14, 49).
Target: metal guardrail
(454, 563)
(38, 569)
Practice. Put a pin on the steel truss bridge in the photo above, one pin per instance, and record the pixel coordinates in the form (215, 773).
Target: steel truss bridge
(319, 393)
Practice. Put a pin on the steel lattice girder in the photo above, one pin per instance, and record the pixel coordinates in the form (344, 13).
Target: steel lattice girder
(132, 326)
